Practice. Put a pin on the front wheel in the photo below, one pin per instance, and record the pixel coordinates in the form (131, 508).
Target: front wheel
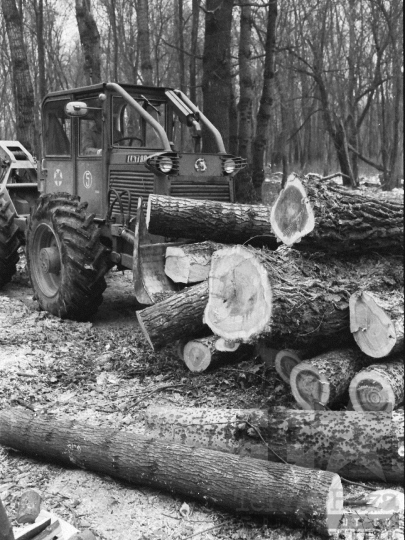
(66, 260)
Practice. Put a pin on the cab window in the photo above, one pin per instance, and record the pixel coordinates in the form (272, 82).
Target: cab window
(57, 129)
(130, 129)
(91, 130)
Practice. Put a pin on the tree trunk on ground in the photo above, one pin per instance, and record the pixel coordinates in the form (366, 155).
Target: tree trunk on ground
(266, 100)
(379, 387)
(245, 105)
(377, 322)
(190, 263)
(287, 299)
(325, 379)
(90, 40)
(203, 353)
(314, 439)
(252, 486)
(178, 317)
(6, 530)
(216, 79)
(142, 12)
(208, 220)
(350, 221)
(23, 90)
(284, 362)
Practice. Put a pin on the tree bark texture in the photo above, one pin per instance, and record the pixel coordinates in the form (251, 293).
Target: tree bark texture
(350, 221)
(309, 295)
(6, 530)
(313, 439)
(245, 105)
(325, 379)
(90, 40)
(216, 79)
(379, 387)
(177, 317)
(377, 322)
(266, 100)
(142, 12)
(190, 263)
(295, 494)
(23, 90)
(208, 220)
(194, 45)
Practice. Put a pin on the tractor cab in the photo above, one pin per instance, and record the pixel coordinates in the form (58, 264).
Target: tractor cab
(111, 143)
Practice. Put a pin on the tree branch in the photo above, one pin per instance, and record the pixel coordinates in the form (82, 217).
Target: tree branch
(366, 160)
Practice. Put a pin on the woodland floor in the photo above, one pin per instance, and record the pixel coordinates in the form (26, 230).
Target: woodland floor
(103, 373)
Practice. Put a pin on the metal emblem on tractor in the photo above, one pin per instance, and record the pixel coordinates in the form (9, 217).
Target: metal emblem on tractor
(200, 165)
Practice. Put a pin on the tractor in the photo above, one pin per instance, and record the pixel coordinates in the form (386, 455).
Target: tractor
(79, 211)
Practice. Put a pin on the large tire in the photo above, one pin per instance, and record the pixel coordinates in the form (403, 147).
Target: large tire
(66, 260)
(9, 242)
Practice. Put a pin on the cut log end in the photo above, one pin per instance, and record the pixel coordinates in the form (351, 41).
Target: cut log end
(310, 388)
(196, 356)
(370, 391)
(291, 215)
(372, 328)
(240, 295)
(284, 362)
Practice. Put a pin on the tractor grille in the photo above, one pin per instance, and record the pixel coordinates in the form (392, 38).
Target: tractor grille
(201, 190)
(139, 184)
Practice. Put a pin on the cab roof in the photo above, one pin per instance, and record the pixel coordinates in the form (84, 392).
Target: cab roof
(101, 87)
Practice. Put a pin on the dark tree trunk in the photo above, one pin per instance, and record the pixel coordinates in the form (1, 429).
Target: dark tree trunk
(245, 106)
(216, 81)
(253, 486)
(142, 11)
(6, 530)
(23, 90)
(266, 100)
(194, 43)
(90, 40)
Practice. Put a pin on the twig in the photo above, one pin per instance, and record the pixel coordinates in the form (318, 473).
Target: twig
(264, 442)
(204, 531)
(21, 374)
(346, 481)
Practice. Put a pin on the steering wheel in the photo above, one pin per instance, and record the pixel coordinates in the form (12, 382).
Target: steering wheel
(131, 138)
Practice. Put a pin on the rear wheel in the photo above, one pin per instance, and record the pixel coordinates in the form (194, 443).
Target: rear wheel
(65, 257)
(9, 242)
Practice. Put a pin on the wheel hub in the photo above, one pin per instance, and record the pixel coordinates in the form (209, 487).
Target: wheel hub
(50, 260)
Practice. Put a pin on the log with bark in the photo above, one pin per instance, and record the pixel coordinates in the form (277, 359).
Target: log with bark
(228, 223)
(377, 322)
(199, 354)
(297, 495)
(175, 318)
(379, 387)
(190, 263)
(324, 380)
(291, 215)
(314, 439)
(287, 298)
(352, 221)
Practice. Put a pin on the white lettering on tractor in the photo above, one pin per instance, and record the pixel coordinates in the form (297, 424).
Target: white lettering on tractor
(134, 158)
(87, 179)
(58, 177)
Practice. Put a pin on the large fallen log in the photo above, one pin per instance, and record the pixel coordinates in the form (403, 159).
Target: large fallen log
(285, 297)
(228, 223)
(297, 495)
(178, 317)
(190, 263)
(352, 221)
(379, 387)
(377, 322)
(324, 380)
(359, 446)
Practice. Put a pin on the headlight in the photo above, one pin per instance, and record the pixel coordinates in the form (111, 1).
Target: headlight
(229, 166)
(165, 164)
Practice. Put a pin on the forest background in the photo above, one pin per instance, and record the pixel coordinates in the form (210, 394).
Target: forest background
(303, 85)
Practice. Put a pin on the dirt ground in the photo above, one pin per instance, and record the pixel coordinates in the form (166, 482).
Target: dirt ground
(103, 373)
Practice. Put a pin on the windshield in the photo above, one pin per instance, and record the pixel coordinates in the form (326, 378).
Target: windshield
(130, 129)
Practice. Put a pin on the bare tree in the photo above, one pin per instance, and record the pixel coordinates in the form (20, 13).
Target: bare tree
(90, 40)
(144, 42)
(245, 105)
